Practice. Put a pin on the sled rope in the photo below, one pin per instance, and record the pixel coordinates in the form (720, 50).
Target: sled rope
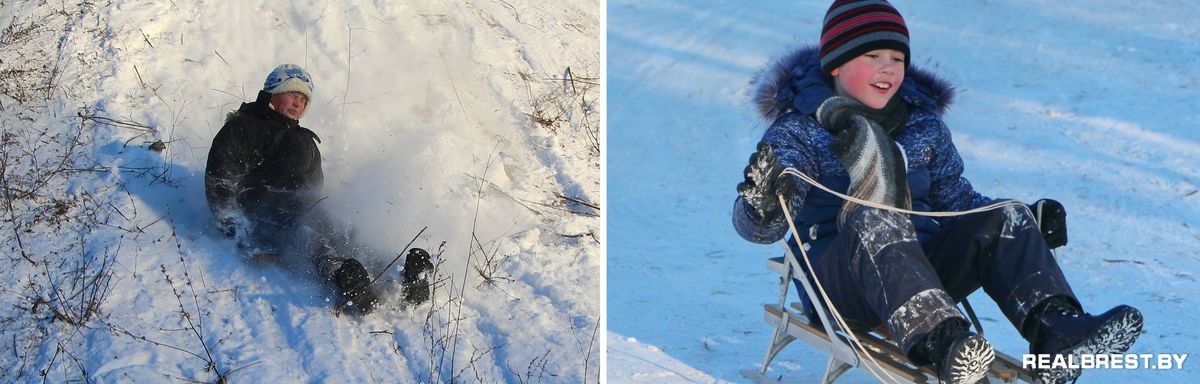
(807, 179)
(837, 316)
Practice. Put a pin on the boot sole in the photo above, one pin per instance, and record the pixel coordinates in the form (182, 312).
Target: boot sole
(972, 358)
(1116, 336)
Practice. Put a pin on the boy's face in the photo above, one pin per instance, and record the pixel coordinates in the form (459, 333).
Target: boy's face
(871, 78)
(290, 104)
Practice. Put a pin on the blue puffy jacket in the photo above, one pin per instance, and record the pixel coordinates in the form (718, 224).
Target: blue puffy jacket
(789, 92)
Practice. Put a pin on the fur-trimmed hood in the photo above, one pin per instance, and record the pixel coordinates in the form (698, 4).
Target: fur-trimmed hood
(795, 82)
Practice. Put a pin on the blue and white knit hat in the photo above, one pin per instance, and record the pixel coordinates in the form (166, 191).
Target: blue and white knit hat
(289, 78)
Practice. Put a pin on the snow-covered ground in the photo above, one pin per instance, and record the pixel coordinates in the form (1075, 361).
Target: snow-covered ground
(1091, 103)
(447, 115)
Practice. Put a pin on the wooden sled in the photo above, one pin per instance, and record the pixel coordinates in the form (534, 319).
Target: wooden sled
(263, 260)
(885, 362)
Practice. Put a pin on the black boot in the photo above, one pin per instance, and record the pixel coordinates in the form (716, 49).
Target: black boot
(416, 282)
(958, 355)
(353, 283)
(1061, 328)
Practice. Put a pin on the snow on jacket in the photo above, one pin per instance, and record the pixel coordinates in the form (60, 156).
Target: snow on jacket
(789, 92)
(262, 160)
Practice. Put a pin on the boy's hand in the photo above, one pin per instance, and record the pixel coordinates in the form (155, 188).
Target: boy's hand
(230, 225)
(763, 182)
(228, 228)
(1052, 218)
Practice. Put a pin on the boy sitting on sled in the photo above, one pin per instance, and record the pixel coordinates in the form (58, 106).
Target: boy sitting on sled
(853, 115)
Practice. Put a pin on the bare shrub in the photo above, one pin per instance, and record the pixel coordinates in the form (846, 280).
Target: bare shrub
(570, 106)
(55, 197)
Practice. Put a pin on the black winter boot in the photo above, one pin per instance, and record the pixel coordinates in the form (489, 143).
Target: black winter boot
(416, 282)
(958, 355)
(1061, 328)
(353, 283)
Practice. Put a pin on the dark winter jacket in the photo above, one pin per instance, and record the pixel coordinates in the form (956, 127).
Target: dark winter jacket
(262, 161)
(789, 92)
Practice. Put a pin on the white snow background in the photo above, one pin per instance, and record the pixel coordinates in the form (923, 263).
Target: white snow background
(1090, 103)
(113, 272)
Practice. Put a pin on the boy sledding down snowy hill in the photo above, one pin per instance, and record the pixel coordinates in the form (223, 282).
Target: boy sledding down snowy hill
(263, 183)
(853, 115)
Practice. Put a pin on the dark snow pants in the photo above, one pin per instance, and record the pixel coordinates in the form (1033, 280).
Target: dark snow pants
(285, 225)
(876, 270)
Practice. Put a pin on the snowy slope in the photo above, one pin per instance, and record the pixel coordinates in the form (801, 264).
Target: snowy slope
(455, 117)
(1091, 104)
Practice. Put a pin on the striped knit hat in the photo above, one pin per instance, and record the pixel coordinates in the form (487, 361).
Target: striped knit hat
(855, 27)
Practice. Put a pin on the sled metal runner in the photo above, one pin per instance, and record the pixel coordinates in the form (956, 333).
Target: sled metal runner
(886, 359)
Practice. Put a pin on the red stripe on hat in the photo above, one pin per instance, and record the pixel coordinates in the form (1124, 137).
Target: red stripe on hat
(859, 21)
(879, 8)
(842, 39)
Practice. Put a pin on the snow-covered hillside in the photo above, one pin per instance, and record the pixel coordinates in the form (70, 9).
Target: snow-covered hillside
(1091, 103)
(477, 120)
